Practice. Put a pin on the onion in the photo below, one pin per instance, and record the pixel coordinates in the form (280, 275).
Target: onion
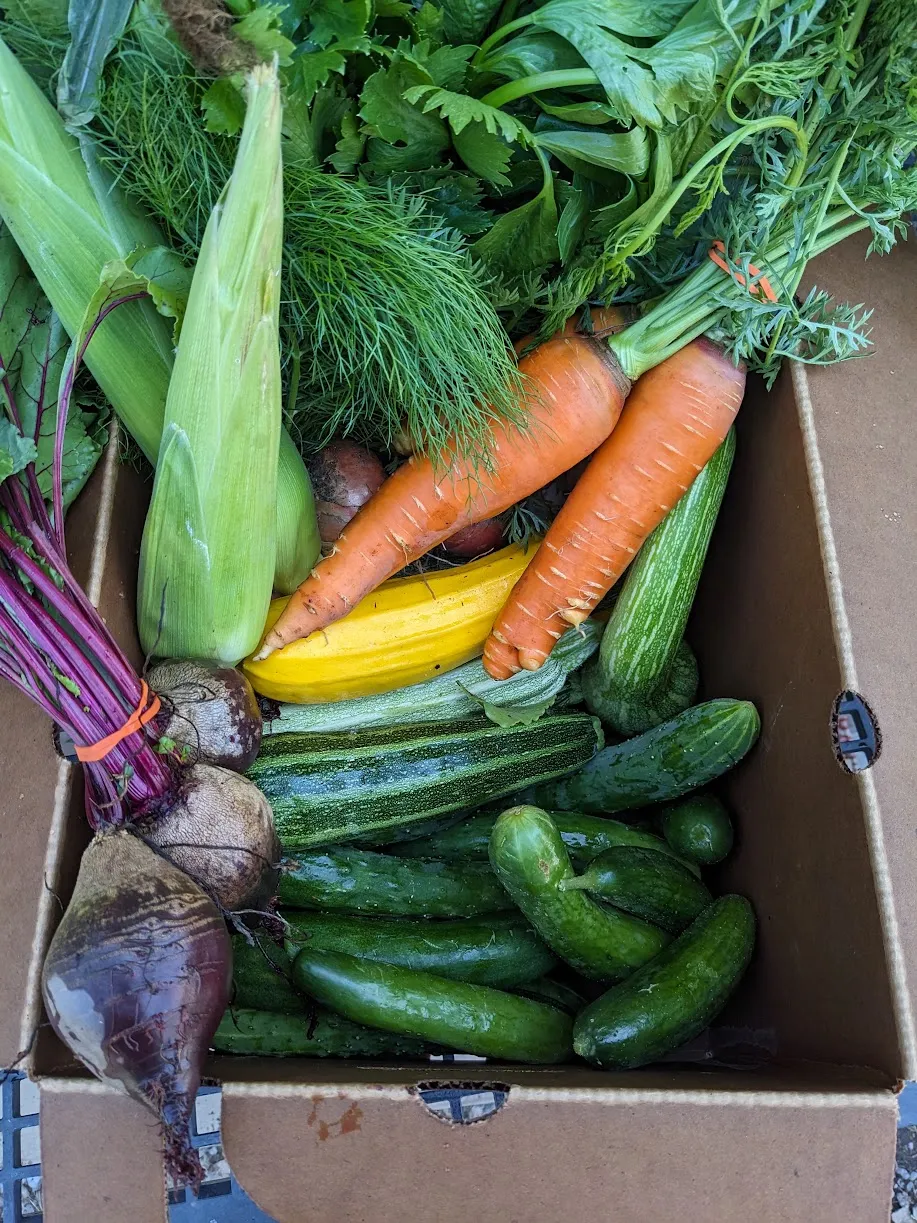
(344, 477)
(220, 831)
(136, 980)
(211, 709)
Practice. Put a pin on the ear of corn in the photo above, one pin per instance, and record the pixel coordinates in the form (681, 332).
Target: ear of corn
(407, 631)
(209, 546)
(69, 227)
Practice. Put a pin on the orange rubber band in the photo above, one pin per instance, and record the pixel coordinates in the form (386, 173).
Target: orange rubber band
(142, 714)
(763, 283)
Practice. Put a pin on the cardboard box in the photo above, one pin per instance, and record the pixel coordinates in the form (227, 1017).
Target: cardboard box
(807, 593)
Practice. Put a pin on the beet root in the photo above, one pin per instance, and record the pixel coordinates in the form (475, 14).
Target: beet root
(475, 539)
(219, 830)
(344, 476)
(136, 980)
(209, 708)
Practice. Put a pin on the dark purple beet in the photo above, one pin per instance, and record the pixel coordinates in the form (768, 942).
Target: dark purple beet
(211, 709)
(344, 476)
(136, 980)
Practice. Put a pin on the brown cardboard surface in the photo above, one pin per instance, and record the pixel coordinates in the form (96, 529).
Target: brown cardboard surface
(101, 1160)
(384, 1161)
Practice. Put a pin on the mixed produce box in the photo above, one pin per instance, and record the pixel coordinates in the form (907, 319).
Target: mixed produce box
(433, 320)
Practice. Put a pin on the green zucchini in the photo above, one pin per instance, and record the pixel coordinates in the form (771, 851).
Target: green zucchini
(360, 881)
(530, 860)
(322, 1034)
(469, 1018)
(662, 764)
(672, 999)
(446, 698)
(699, 828)
(329, 788)
(585, 836)
(642, 675)
(498, 951)
(261, 977)
(646, 884)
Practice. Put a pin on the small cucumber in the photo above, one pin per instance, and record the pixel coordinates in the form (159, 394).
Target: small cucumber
(584, 836)
(646, 884)
(698, 829)
(554, 993)
(261, 977)
(530, 860)
(322, 1034)
(469, 1018)
(672, 999)
(360, 881)
(499, 951)
(681, 755)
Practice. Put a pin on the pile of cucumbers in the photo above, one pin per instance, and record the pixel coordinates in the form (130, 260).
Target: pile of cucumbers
(531, 933)
(421, 915)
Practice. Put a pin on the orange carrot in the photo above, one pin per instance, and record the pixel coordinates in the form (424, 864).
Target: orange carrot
(576, 393)
(677, 415)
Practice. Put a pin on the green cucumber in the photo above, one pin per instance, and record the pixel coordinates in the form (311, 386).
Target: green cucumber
(646, 884)
(329, 788)
(530, 860)
(662, 764)
(643, 675)
(672, 999)
(261, 977)
(699, 828)
(499, 951)
(417, 831)
(554, 993)
(584, 836)
(360, 881)
(322, 1034)
(448, 697)
(469, 1018)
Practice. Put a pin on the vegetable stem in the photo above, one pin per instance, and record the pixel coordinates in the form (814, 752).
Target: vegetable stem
(572, 78)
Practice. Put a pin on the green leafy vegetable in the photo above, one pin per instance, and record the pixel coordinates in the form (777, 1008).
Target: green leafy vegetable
(94, 30)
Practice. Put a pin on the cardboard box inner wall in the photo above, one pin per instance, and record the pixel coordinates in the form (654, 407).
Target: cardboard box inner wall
(821, 1021)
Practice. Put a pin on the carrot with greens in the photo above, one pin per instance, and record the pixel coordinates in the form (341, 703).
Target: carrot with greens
(674, 421)
(577, 392)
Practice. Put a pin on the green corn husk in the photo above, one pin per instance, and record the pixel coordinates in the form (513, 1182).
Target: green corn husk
(209, 544)
(68, 226)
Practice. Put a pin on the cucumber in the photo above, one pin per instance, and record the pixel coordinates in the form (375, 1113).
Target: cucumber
(643, 674)
(584, 836)
(501, 951)
(662, 764)
(698, 829)
(261, 977)
(671, 1000)
(417, 831)
(469, 1018)
(554, 993)
(360, 881)
(329, 788)
(646, 884)
(448, 697)
(530, 860)
(322, 1034)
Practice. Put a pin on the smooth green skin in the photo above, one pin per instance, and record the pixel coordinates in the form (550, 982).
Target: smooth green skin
(681, 755)
(468, 1018)
(673, 998)
(644, 673)
(328, 788)
(646, 884)
(257, 984)
(498, 951)
(554, 993)
(324, 1034)
(530, 860)
(698, 829)
(584, 836)
(359, 881)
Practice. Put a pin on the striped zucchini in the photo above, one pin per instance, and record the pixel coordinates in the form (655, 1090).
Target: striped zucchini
(333, 787)
(642, 676)
(664, 763)
(446, 697)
